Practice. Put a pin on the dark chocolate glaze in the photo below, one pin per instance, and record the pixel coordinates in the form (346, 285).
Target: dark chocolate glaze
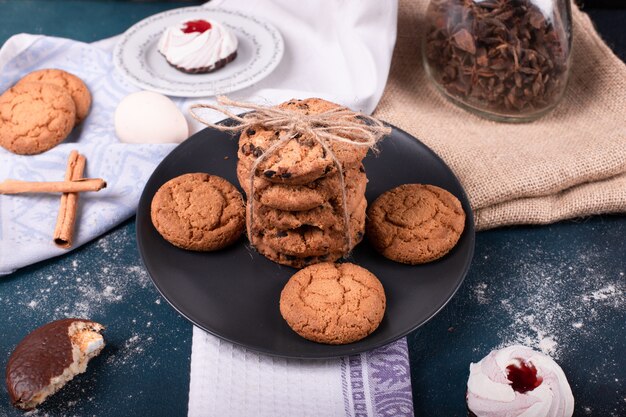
(204, 70)
(40, 356)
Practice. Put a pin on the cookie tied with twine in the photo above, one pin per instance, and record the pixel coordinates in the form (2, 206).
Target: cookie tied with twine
(338, 125)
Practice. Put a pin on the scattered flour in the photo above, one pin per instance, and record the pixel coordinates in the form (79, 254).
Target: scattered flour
(608, 292)
(547, 345)
(541, 317)
(479, 291)
(111, 287)
(571, 306)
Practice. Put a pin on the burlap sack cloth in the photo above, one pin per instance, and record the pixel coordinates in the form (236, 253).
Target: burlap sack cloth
(570, 163)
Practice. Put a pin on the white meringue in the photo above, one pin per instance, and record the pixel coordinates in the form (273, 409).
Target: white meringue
(490, 394)
(197, 49)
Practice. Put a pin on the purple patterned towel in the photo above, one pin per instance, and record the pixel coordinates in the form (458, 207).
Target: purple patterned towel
(228, 380)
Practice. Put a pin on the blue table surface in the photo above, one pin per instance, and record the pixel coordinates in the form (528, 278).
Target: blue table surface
(559, 287)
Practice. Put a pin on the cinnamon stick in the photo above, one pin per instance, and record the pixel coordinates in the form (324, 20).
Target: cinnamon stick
(64, 230)
(75, 186)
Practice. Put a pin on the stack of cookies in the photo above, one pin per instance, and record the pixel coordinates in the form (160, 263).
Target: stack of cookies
(297, 216)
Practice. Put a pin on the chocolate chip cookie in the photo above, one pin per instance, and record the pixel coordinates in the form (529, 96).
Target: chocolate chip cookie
(296, 261)
(333, 303)
(302, 159)
(35, 117)
(198, 212)
(415, 223)
(309, 241)
(307, 196)
(326, 216)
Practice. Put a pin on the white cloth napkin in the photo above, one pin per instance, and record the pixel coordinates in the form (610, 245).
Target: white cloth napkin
(227, 380)
(339, 50)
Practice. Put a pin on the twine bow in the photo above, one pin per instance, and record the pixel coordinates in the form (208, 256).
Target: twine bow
(336, 125)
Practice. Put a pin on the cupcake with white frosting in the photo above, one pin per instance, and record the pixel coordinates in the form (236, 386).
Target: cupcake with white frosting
(518, 382)
(198, 46)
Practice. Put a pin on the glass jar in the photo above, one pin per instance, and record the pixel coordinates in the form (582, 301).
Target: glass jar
(506, 60)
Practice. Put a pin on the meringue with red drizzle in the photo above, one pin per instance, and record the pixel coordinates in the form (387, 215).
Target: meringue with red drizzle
(198, 46)
(518, 382)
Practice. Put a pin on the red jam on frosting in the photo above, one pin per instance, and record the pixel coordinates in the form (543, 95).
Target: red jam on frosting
(523, 377)
(199, 26)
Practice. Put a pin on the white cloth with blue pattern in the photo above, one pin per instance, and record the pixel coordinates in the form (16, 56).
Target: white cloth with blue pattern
(27, 221)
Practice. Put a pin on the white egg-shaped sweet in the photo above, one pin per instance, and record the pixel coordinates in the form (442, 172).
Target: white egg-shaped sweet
(148, 117)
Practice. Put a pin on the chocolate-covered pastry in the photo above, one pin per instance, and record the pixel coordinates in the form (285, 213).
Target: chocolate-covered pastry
(49, 357)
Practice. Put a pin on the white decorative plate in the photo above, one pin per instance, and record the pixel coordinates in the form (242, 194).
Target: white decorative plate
(137, 57)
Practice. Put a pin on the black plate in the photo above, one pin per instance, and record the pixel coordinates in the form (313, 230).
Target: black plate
(234, 293)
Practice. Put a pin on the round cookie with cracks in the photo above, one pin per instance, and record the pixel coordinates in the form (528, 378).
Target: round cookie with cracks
(74, 85)
(333, 303)
(35, 117)
(415, 223)
(198, 212)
